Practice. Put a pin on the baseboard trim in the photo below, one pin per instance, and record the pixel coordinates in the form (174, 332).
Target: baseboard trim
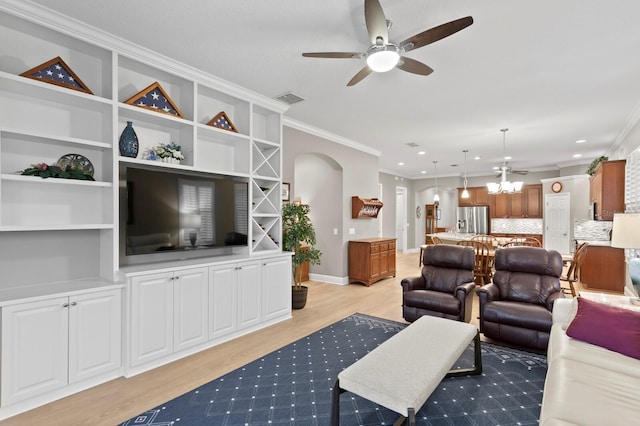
(329, 279)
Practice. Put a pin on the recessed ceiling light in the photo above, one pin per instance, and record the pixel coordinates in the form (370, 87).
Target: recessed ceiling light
(423, 172)
(476, 157)
(421, 152)
(496, 168)
(400, 164)
(581, 141)
(507, 157)
(577, 155)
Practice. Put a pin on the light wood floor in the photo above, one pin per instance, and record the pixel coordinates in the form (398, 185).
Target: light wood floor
(121, 399)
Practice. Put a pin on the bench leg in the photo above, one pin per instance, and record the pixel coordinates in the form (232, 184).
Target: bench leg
(335, 404)
(477, 367)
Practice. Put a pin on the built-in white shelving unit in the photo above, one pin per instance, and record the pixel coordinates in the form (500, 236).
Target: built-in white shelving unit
(59, 231)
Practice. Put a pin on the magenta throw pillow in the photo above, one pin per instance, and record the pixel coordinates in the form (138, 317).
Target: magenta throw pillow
(616, 329)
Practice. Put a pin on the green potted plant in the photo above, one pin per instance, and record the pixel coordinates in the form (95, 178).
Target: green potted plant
(297, 230)
(594, 164)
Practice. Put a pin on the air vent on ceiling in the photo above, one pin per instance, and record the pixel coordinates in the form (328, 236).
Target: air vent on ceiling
(413, 144)
(289, 98)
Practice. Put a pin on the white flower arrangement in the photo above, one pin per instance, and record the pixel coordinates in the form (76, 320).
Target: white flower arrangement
(168, 153)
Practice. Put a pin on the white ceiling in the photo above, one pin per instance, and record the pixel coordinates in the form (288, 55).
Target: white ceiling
(551, 71)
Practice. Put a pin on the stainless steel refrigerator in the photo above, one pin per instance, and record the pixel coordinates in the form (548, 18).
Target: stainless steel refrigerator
(473, 220)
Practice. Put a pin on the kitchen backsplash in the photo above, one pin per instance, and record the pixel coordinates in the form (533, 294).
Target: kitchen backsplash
(592, 230)
(516, 226)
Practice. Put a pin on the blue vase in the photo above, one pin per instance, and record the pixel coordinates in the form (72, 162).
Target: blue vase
(129, 141)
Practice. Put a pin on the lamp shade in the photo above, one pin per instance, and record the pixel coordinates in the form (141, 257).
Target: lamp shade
(626, 230)
(192, 221)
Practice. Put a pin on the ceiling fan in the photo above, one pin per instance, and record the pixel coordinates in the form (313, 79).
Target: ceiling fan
(383, 55)
(505, 169)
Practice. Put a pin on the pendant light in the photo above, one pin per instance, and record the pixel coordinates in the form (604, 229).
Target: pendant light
(465, 192)
(436, 198)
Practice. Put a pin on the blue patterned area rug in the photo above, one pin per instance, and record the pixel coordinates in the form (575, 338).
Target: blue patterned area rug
(292, 386)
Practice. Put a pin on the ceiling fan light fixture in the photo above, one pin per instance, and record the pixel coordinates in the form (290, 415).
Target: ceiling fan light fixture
(493, 188)
(505, 186)
(383, 58)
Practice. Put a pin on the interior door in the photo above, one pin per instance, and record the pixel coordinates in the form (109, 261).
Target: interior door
(557, 218)
(401, 217)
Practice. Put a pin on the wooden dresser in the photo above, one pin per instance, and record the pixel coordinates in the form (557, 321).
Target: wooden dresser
(372, 259)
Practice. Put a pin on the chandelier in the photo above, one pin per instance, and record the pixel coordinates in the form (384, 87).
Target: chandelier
(505, 186)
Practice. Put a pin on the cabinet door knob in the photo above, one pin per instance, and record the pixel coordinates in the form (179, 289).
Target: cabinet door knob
(66, 305)
(74, 303)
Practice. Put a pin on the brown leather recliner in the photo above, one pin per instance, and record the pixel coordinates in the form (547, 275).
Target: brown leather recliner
(445, 288)
(516, 306)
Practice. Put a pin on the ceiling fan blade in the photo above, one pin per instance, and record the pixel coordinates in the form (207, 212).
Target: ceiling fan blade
(436, 33)
(359, 76)
(376, 21)
(339, 55)
(413, 66)
(520, 172)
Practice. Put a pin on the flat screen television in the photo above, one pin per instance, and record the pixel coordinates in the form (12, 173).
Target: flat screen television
(187, 214)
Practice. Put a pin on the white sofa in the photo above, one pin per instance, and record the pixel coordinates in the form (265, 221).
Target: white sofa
(587, 384)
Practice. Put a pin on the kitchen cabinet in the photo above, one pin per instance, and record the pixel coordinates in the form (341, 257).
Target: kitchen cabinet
(371, 260)
(478, 196)
(606, 189)
(603, 268)
(169, 313)
(526, 204)
(59, 341)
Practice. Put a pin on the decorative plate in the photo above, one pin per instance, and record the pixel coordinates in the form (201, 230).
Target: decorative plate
(77, 161)
(556, 187)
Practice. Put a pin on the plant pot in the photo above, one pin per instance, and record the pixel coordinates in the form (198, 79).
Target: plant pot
(299, 297)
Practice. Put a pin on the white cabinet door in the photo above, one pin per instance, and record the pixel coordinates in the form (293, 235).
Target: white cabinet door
(34, 348)
(95, 333)
(223, 303)
(248, 282)
(276, 288)
(151, 317)
(191, 310)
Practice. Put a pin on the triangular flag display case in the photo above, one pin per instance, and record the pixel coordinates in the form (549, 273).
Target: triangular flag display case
(154, 97)
(222, 121)
(57, 72)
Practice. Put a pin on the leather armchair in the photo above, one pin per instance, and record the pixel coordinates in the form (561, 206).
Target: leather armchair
(516, 307)
(445, 287)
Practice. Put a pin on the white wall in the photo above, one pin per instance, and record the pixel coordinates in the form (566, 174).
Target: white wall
(303, 156)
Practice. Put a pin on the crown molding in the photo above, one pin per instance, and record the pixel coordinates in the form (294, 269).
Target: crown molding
(307, 128)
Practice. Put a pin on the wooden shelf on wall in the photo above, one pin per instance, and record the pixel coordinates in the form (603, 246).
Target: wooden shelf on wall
(365, 208)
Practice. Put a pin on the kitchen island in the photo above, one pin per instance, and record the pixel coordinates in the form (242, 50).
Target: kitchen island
(603, 267)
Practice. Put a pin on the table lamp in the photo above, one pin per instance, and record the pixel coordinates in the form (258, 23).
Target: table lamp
(626, 234)
(193, 221)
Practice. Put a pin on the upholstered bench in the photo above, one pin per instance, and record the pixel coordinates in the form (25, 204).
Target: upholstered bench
(403, 371)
